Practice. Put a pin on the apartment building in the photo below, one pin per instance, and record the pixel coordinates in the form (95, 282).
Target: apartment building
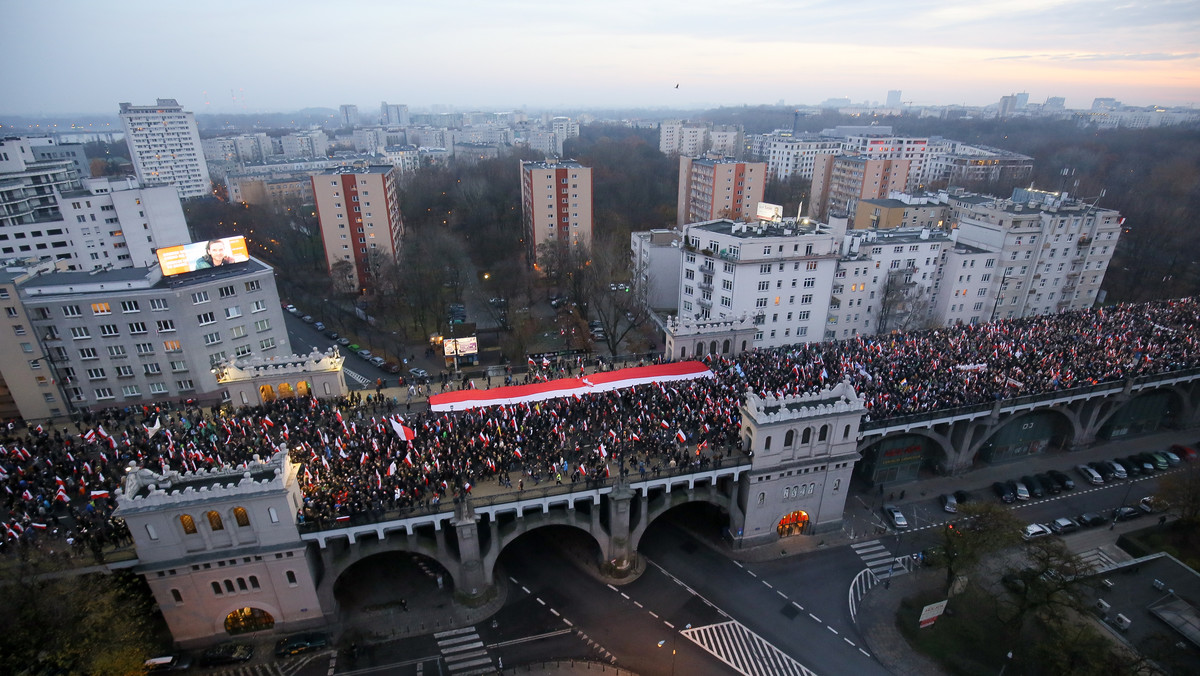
(313, 144)
(564, 128)
(779, 274)
(164, 143)
(655, 259)
(131, 335)
(556, 204)
(788, 155)
(840, 181)
(31, 222)
(967, 165)
(359, 213)
(712, 187)
(46, 149)
(118, 223)
(678, 137)
(900, 210)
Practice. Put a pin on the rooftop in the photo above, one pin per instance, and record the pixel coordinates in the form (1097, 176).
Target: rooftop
(784, 228)
(373, 169)
(553, 164)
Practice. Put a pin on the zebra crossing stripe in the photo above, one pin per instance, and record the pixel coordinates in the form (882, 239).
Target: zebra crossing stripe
(744, 651)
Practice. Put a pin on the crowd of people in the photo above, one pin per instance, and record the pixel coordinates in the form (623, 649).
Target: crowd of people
(361, 459)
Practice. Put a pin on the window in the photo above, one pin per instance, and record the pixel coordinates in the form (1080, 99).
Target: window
(172, 346)
(131, 391)
(137, 328)
(130, 306)
(253, 285)
(233, 312)
(158, 304)
(242, 351)
(254, 582)
(144, 348)
(259, 306)
(206, 318)
(185, 385)
(95, 374)
(273, 514)
(101, 309)
(71, 311)
(179, 366)
(242, 518)
(806, 299)
(802, 315)
(267, 344)
(238, 331)
(109, 330)
(104, 393)
(176, 596)
(262, 325)
(810, 282)
(116, 351)
(150, 531)
(151, 369)
(158, 388)
(226, 291)
(291, 578)
(125, 371)
(165, 325)
(214, 521)
(80, 332)
(761, 302)
(87, 353)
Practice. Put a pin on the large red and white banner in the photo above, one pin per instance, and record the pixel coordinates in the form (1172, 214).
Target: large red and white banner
(567, 387)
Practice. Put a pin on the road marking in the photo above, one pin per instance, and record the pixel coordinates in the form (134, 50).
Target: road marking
(556, 614)
(625, 595)
(653, 614)
(864, 652)
(781, 594)
(814, 617)
(835, 633)
(541, 602)
(638, 604)
(668, 624)
(514, 580)
(612, 587)
(526, 589)
(362, 380)
(768, 584)
(738, 564)
(848, 641)
(568, 622)
(797, 605)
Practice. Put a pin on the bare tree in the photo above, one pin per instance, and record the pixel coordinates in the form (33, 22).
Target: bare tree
(904, 303)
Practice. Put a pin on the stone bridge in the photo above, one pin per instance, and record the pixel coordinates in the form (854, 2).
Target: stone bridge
(467, 537)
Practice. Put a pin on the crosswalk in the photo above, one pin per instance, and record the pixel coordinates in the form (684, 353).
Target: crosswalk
(878, 558)
(744, 651)
(464, 652)
(361, 379)
(264, 669)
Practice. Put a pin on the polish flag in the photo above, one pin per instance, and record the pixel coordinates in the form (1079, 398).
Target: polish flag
(517, 452)
(405, 433)
(343, 518)
(392, 467)
(664, 424)
(582, 471)
(99, 494)
(681, 436)
(408, 459)
(603, 453)
(634, 436)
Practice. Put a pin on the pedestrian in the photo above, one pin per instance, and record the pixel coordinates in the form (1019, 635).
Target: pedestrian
(901, 495)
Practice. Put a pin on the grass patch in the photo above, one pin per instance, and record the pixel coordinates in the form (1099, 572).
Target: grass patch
(968, 639)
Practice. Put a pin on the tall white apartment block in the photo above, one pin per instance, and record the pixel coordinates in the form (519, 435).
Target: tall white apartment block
(788, 156)
(306, 144)
(779, 274)
(1053, 250)
(683, 138)
(164, 143)
(117, 223)
(556, 204)
(31, 222)
(563, 128)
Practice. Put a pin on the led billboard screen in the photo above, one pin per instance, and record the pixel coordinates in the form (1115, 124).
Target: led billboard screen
(212, 253)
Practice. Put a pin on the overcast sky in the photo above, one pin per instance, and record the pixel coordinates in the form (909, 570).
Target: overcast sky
(75, 56)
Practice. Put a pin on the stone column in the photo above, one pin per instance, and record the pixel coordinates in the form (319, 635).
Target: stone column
(474, 583)
(620, 556)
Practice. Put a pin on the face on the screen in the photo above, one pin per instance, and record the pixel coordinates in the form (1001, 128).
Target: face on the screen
(218, 251)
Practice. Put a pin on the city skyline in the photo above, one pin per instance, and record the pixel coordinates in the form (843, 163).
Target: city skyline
(535, 55)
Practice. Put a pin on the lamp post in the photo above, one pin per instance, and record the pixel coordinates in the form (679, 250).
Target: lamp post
(1007, 659)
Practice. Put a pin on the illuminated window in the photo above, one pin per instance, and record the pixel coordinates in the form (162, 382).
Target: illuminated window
(189, 524)
(243, 519)
(214, 521)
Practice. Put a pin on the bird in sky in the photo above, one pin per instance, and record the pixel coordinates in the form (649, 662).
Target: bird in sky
(677, 86)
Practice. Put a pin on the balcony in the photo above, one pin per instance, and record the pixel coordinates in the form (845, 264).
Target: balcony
(707, 304)
(705, 286)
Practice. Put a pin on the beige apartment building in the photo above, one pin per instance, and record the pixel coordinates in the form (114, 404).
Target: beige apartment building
(840, 181)
(556, 204)
(359, 213)
(714, 187)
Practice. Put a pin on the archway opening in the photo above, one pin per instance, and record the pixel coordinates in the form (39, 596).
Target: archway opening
(680, 524)
(246, 620)
(899, 459)
(1143, 414)
(266, 393)
(547, 547)
(794, 523)
(1031, 434)
(388, 583)
(285, 391)
(302, 389)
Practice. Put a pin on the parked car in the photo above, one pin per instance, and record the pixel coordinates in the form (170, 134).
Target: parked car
(1143, 465)
(894, 515)
(378, 361)
(1132, 468)
(320, 326)
(963, 497)
(353, 347)
(1034, 486)
(1090, 475)
(1062, 479)
(292, 309)
(1158, 460)
(227, 653)
(1089, 520)
(1103, 469)
(1004, 492)
(365, 354)
(1151, 504)
(1172, 459)
(332, 335)
(1064, 525)
(307, 319)
(1184, 452)
(1050, 485)
(419, 374)
(949, 503)
(393, 367)
(1021, 490)
(1118, 469)
(1126, 513)
(1035, 530)
(343, 341)
(300, 643)
(168, 663)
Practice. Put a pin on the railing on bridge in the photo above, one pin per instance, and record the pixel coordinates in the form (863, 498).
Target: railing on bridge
(532, 495)
(975, 410)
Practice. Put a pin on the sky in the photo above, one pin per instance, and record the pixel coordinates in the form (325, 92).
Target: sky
(222, 56)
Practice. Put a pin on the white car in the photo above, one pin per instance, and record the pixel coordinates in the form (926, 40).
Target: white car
(894, 515)
(1035, 530)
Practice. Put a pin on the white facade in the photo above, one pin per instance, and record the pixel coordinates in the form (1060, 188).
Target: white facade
(31, 222)
(130, 335)
(164, 143)
(967, 286)
(314, 144)
(655, 257)
(788, 156)
(563, 128)
(781, 275)
(116, 222)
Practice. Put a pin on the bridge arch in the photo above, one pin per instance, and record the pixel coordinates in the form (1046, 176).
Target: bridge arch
(1145, 412)
(503, 532)
(340, 556)
(1026, 433)
(654, 506)
(900, 456)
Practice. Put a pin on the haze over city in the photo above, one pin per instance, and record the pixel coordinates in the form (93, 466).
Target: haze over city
(223, 56)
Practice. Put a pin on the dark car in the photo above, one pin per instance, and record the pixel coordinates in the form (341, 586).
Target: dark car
(1185, 452)
(1147, 460)
(1048, 483)
(1138, 463)
(1126, 513)
(1005, 492)
(1132, 467)
(963, 497)
(227, 653)
(1090, 520)
(1064, 525)
(1035, 487)
(300, 643)
(332, 335)
(1062, 479)
(1104, 469)
(155, 665)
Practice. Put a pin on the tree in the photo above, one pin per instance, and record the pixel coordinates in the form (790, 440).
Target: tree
(904, 304)
(57, 621)
(1181, 490)
(616, 294)
(1046, 583)
(981, 528)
